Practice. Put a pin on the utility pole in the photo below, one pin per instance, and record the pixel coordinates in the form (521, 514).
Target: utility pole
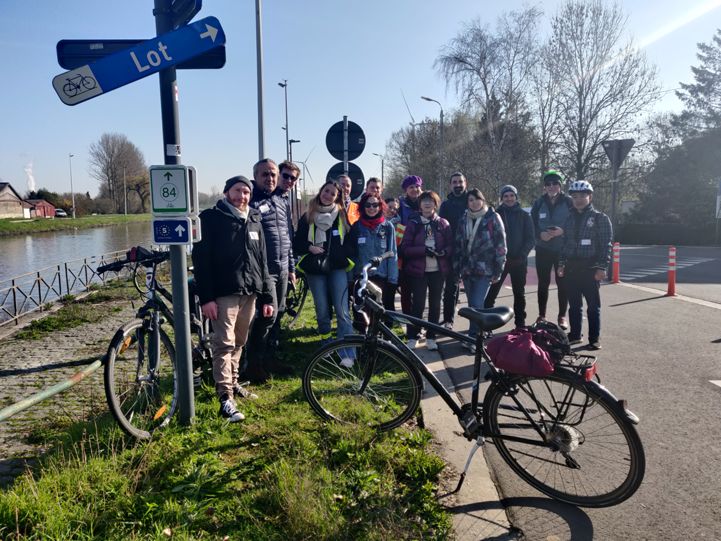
(442, 150)
(259, 52)
(72, 192)
(288, 150)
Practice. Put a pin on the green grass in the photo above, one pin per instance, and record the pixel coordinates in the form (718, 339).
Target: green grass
(76, 312)
(13, 226)
(281, 474)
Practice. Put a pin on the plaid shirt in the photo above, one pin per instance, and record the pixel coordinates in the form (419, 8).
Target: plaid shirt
(587, 236)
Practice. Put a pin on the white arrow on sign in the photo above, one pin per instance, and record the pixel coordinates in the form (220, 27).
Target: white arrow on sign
(211, 32)
(180, 230)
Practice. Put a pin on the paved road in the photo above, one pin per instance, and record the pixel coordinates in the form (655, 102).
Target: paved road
(661, 354)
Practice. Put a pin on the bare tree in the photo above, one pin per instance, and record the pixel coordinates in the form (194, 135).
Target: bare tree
(543, 92)
(116, 163)
(491, 72)
(602, 85)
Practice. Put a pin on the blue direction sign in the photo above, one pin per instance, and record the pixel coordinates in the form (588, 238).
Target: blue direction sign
(136, 62)
(171, 231)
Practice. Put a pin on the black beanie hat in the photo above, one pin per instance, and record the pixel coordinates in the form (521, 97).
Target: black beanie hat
(232, 181)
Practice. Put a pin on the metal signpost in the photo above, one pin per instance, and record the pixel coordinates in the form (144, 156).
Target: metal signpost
(616, 150)
(110, 65)
(346, 141)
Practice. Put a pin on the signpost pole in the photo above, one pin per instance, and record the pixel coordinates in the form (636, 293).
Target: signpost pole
(345, 144)
(179, 270)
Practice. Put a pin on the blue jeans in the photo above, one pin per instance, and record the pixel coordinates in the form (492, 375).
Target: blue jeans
(476, 290)
(334, 284)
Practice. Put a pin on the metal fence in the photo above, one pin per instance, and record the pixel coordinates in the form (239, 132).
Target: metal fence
(34, 291)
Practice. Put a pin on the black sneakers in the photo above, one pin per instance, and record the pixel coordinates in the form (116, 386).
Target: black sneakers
(229, 411)
(239, 391)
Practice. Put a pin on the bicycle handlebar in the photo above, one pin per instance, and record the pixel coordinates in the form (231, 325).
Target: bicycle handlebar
(137, 254)
(364, 284)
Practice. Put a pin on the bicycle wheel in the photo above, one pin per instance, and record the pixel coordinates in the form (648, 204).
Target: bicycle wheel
(351, 383)
(586, 451)
(295, 300)
(140, 398)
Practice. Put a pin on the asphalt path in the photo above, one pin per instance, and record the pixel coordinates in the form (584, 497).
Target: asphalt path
(662, 354)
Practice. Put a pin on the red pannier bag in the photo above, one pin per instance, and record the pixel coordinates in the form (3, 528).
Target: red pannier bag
(517, 353)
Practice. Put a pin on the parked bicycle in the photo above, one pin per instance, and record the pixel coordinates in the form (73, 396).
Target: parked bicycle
(564, 434)
(140, 377)
(295, 299)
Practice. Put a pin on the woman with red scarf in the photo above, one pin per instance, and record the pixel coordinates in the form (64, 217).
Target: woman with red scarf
(372, 236)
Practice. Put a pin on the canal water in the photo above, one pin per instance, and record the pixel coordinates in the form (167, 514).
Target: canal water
(28, 253)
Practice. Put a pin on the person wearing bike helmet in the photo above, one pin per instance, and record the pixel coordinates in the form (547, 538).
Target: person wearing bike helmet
(549, 214)
(585, 255)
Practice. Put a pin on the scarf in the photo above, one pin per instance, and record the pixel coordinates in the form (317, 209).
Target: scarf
(372, 223)
(473, 220)
(242, 214)
(323, 221)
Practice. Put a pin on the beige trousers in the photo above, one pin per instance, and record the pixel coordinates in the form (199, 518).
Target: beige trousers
(230, 332)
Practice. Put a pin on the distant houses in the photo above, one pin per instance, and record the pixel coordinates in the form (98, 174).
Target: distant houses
(14, 206)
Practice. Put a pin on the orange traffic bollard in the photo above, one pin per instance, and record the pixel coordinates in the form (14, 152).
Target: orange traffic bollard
(616, 262)
(671, 291)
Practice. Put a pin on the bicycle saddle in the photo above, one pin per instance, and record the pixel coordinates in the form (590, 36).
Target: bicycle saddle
(488, 319)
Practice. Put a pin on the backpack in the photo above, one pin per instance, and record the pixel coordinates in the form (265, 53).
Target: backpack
(552, 339)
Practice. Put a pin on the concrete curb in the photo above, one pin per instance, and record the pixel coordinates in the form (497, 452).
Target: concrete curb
(477, 510)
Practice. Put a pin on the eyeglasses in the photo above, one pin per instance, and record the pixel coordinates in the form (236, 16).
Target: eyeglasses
(288, 176)
(372, 205)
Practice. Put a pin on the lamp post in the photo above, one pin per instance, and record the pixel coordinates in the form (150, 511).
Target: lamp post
(440, 176)
(383, 180)
(284, 86)
(259, 66)
(290, 148)
(72, 192)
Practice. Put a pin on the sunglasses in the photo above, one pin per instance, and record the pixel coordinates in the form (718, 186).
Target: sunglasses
(372, 205)
(288, 176)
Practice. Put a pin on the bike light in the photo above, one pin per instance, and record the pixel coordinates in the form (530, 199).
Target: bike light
(589, 372)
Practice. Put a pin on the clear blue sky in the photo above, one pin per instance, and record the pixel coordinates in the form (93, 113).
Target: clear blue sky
(339, 57)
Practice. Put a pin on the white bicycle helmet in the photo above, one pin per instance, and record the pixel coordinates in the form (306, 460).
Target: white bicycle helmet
(580, 186)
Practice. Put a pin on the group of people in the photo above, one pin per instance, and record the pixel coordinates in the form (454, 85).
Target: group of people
(250, 253)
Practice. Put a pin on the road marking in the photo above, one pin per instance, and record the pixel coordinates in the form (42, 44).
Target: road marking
(716, 382)
(661, 269)
(659, 292)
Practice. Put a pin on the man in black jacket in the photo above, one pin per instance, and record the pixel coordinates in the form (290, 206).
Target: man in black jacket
(519, 242)
(231, 270)
(452, 210)
(271, 200)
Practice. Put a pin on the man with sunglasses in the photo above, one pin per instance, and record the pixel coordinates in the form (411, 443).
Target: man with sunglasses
(549, 214)
(271, 190)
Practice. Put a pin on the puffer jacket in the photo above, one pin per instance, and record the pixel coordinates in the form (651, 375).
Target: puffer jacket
(277, 226)
(230, 259)
(545, 214)
(364, 244)
(519, 232)
(413, 245)
(407, 209)
(486, 255)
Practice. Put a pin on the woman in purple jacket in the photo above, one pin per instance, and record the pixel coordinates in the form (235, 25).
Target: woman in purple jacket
(426, 248)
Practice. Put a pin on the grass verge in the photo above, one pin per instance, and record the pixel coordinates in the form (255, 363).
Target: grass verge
(281, 474)
(37, 225)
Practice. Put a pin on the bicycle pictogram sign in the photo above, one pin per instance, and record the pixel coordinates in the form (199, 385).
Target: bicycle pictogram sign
(78, 84)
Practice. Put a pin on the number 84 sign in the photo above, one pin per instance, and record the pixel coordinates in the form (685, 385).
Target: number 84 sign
(169, 190)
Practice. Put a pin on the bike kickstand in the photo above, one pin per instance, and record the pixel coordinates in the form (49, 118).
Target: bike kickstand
(477, 445)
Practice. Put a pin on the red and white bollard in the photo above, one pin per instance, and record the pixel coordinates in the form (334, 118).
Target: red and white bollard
(616, 262)
(671, 291)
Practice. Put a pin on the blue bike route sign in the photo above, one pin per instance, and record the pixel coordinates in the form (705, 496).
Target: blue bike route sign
(136, 62)
(171, 231)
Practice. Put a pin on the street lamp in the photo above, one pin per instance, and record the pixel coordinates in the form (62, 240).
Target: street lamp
(72, 192)
(383, 180)
(290, 148)
(284, 86)
(440, 176)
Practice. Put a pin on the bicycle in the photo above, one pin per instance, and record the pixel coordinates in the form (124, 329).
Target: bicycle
(139, 373)
(564, 434)
(295, 299)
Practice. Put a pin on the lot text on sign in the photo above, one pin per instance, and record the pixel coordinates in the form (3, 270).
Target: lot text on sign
(136, 62)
